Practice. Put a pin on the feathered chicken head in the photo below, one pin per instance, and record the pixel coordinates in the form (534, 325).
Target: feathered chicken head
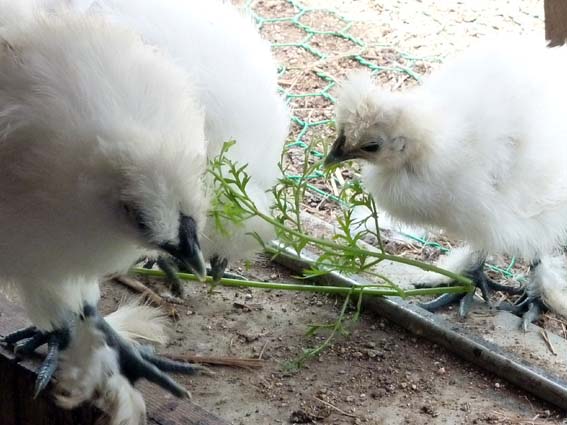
(374, 125)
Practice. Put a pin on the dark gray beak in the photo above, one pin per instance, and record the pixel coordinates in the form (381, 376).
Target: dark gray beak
(337, 154)
(188, 251)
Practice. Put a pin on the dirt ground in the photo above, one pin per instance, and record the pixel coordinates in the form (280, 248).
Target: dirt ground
(379, 373)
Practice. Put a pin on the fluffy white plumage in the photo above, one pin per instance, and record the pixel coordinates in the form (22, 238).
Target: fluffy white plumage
(102, 153)
(78, 139)
(89, 369)
(477, 150)
(235, 77)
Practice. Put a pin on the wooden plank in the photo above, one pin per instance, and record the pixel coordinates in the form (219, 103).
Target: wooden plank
(555, 21)
(173, 412)
(17, 407)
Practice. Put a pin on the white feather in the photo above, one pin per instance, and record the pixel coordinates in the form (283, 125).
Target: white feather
(477, 150)
(139, 322)
(90, 117)
(459, 260)
(89, 370)
(235, 77)
(549, 282)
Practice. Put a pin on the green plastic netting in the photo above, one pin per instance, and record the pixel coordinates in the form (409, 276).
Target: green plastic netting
(305, 31)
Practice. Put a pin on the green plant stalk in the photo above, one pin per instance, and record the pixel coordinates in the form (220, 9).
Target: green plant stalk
(338, 325)
(355, 290)
(465, 281)
(377, 234)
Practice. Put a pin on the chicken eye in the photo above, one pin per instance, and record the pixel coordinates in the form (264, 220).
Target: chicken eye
(371, 147)
(136, 216)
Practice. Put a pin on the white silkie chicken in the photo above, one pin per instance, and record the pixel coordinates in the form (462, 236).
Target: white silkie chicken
(235, 77)
(479, 150)
(102, 153)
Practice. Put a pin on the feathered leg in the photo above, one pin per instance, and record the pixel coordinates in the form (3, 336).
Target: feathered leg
(546, 290)
(138, 362)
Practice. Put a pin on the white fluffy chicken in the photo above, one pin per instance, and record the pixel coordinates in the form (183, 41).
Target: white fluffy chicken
(235, 77)
(478, 150)
(102, 152)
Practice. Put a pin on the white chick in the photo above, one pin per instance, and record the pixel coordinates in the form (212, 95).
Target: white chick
(478, 150)
(235, 77)
(102, 152)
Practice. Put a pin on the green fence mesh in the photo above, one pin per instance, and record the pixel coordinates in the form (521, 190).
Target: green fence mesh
(303, 33)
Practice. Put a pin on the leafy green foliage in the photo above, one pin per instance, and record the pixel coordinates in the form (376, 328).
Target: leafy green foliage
(342, 253)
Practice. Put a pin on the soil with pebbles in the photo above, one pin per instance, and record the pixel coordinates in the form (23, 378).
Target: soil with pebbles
(378, 373)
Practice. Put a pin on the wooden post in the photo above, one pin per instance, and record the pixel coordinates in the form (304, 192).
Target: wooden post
(555, 21)
(17, 406)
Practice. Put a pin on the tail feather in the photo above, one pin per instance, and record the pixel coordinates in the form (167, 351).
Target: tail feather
(135, 321)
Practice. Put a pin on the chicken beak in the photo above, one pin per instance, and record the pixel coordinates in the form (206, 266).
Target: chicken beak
(188, 251)
(196, 263)
(337, 154)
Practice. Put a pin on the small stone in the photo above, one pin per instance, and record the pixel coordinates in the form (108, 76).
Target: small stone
(300, 417)
(370, 344)
(442, 371)
(372, 353)
(497, 385)
(428, 410)
(248, 296)
(349, 399)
